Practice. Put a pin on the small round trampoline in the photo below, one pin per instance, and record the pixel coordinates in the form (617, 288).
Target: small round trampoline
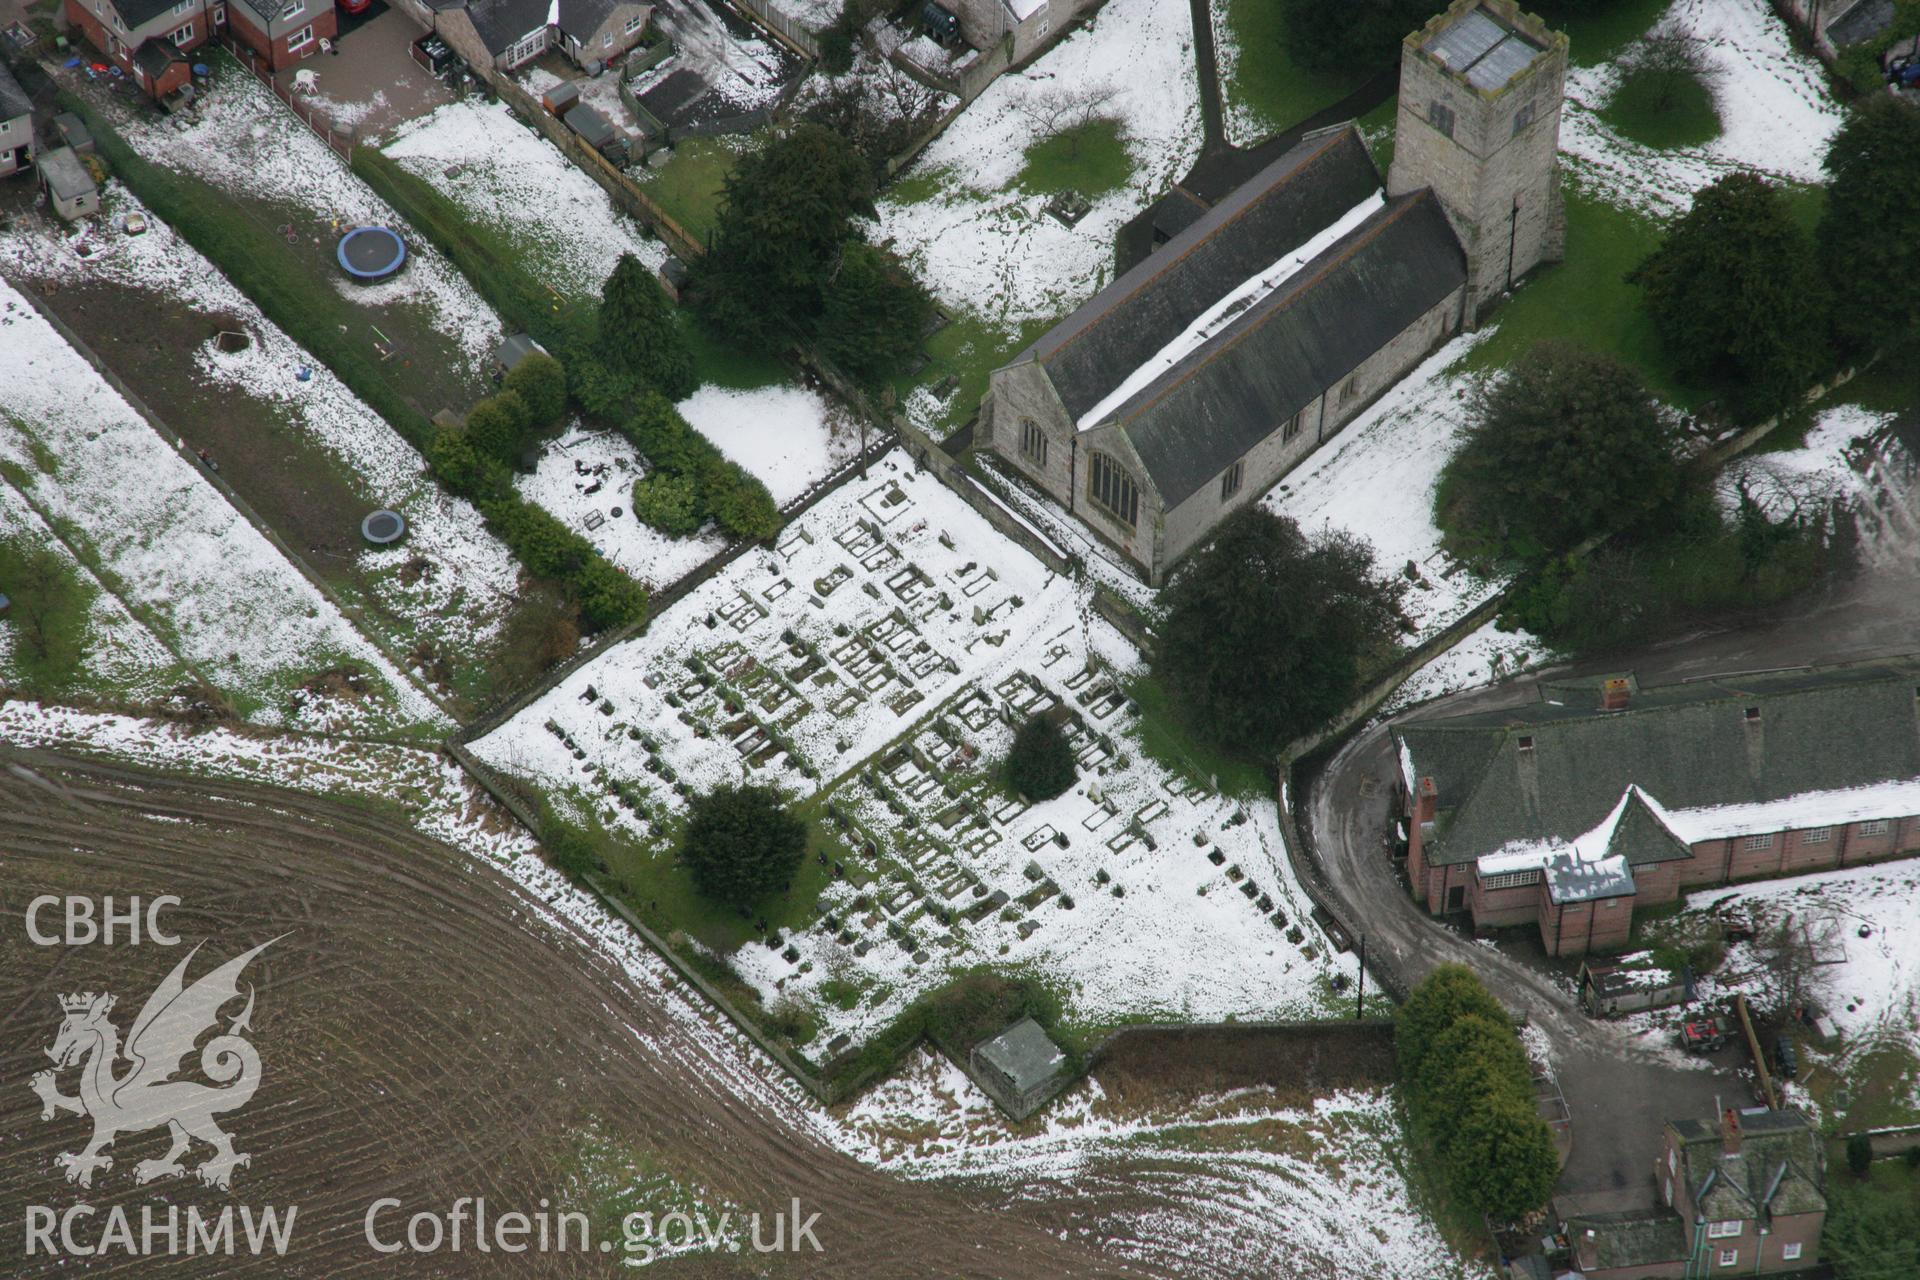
(383, 527)
(371, 253)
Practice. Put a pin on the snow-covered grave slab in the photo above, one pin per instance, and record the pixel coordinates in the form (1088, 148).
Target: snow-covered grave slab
(1274, 1204)
(1377, 477)
(1775, 113)
(509, 178)
(874, 660)
(461, 602)
(242, 140)
(231, 602)
(985, 246)
(788, 437)
(123, 658)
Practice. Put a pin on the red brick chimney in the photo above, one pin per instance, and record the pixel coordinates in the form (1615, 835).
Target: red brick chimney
(1426, 805)
(1730, 1132)
(1614, 693)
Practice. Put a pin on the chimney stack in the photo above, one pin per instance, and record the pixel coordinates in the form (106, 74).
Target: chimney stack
(1426, 805)
(1614, 693)
(1730, 1132)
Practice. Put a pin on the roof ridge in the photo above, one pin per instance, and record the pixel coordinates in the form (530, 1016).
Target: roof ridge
(1168, 261)
(1278, 301)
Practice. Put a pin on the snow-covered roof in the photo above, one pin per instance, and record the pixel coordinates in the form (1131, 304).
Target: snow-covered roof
(1231, 307)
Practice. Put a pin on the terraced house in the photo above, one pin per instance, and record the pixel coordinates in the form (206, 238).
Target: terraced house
(1568, 812)
(1190, 385)
(1744, 1196)
(149, 39)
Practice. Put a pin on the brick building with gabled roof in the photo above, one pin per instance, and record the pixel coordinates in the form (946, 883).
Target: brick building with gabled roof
(1570, 811)
(1742, 1196)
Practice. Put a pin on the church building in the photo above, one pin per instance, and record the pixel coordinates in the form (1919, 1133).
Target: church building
(1192, 383)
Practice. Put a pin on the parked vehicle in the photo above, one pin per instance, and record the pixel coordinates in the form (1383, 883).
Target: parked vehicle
(1704, 1035)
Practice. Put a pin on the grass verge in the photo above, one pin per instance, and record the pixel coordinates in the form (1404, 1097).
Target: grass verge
(688, 185)
(1265, 80)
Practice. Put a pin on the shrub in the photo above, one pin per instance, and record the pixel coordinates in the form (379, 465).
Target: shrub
(1476, 1054)
(668, 502)
(463, 469)
(1501, 1159)
(743, 506)
(1266, 631)
(606, 392)
(1567, 444)
(1451, 992)
(608, 597)
(741, 844)
(1859, 1154)
(1040, 765)
(1735, 297)
(639, 333)
(499, 426)
(48, 620)
(1870, 232)
(541, 384)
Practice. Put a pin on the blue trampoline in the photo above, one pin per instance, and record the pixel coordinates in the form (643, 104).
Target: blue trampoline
(371, 253)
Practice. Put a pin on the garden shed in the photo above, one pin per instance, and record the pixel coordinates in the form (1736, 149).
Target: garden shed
(69, 186)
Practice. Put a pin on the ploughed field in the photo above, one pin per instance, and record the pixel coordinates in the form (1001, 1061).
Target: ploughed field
(425, 1033)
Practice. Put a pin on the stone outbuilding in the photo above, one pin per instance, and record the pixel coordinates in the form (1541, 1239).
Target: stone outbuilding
(1020, 1068)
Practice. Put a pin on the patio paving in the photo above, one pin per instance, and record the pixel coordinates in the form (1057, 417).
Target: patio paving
(370, 83)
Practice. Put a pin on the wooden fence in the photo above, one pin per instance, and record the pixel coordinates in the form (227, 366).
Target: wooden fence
(315, 119)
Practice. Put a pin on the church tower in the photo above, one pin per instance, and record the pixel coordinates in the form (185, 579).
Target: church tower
(1479, 122)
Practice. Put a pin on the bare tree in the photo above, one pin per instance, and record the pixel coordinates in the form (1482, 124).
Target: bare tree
(1782, 951)
(1666, 60)
(1064, 109)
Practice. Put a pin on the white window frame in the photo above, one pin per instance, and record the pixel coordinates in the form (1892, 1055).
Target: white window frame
(1873, 827)
(299, 8)
(527, 48)
(1725, 1230)
(634, 23)
(301, 38)
(1753, 844)
(219, 13)
(1816, 835)
(1790, 1252)
(1729, 1257)
(182, 35)
(1509, 879)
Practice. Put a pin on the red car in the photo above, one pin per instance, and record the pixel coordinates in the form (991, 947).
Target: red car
(355, 6)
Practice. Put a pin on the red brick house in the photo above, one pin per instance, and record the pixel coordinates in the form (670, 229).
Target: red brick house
(1570, 811)
(150, 39)
(283, 31)
(1745, 1196)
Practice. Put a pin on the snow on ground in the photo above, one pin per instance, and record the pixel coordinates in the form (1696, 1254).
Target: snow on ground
(1775, 113)
(1852, 457)
(869, 659)
(984, 245)
(1377, 477)
(1873, 993)
(241, 139)
(472, 586)
(583, 477)
(123, 658)
(224, 596)
(1250, 1184)
(1487, 656)
(1047, 517)
(788, 437)
(1288, 1188)
(514, 181)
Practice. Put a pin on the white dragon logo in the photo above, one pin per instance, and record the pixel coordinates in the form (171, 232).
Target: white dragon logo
(147, 1096)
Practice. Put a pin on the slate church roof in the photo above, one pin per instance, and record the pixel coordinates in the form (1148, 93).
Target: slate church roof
(1697, 761)
(1191, 420)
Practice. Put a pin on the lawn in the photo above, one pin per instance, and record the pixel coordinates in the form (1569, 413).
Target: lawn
(1170, 744)
(1089, 158)
(1262, 85)
(1598, 32)
(688, 185)
(1586, 298)
(1686, 117)
(967, 350)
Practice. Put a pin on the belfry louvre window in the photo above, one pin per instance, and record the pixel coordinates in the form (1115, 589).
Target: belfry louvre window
(1109, 485)
(1440, 116)
(1033, 442)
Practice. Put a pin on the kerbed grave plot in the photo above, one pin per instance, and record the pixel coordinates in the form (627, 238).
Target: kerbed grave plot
(872, 664)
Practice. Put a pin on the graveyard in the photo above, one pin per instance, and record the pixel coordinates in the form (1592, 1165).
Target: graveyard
(872, 665)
